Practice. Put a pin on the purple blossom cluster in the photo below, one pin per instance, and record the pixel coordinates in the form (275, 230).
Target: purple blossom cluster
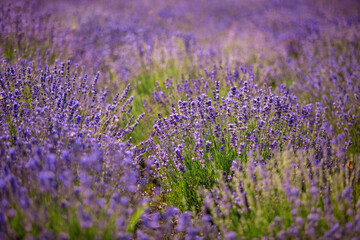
(274, 201)
(68, 169)
(54, 103)
(248, 121)
(63, 148)
(332, 77)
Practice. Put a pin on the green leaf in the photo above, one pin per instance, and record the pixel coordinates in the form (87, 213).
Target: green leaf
(135, 218)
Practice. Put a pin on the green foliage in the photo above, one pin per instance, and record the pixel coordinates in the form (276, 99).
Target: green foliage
(257, 201)
(135, 218)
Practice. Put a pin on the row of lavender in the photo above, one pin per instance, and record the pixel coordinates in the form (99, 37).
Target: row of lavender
(67, 157)
(227, 156)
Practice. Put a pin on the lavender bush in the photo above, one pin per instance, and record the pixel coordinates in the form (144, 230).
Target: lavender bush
(60, 140)
(187, 120)
(206, 134)
(292, 196)
(332, 76)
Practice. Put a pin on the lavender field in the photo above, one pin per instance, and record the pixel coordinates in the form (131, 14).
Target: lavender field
(164, 119)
